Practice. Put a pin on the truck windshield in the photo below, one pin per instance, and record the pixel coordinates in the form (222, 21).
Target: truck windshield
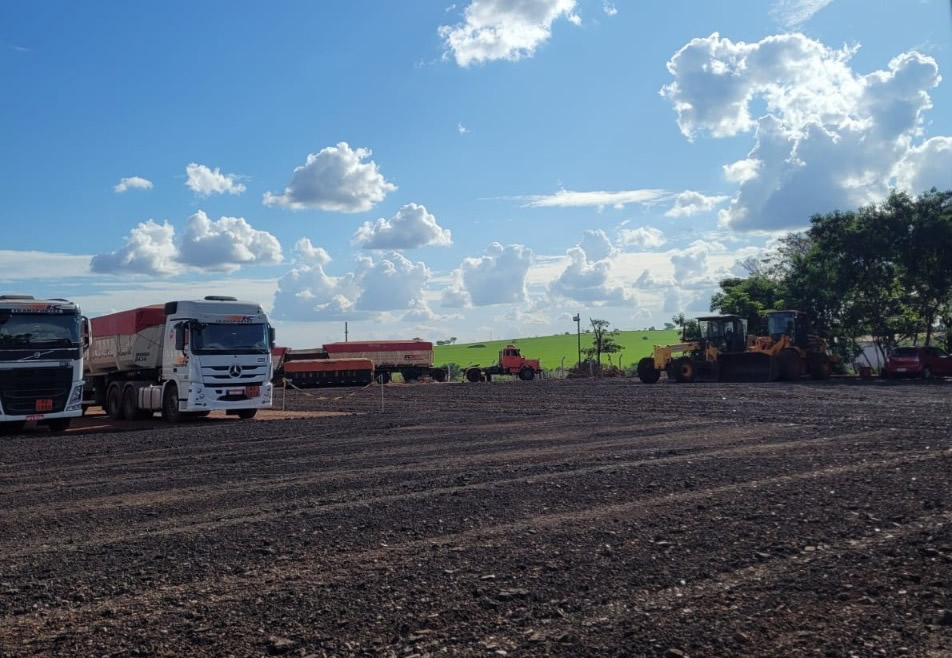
(37, 330)
(229, 338)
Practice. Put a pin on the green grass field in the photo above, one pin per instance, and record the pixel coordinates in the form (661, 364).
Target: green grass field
(551, 349)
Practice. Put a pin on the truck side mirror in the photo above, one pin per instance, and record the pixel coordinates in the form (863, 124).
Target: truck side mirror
(85, 329)
(180, 336)
(270, 336)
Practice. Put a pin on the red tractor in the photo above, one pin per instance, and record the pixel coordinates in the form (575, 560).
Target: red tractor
(511, 362)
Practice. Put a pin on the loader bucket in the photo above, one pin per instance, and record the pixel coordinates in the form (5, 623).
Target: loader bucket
(747, 367)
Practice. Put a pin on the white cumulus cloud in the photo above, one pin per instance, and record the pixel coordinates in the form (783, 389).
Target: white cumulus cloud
(926, 166)
(497, 277)
(149, 250)
(388, 283)
(742, 171)
(689, 203)
(307, 253)
(586, 280)
(226, 244)
(204, 181)
(335, 179)
(132, 183)
(609, 8)
(646, 237)
(596, 245)
(411, 227)
(830, 138)
(503, 29)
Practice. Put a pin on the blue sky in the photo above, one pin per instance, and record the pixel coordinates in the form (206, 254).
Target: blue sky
(490, 166)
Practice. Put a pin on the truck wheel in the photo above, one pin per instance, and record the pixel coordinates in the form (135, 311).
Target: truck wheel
(12, 427)
(684, 370)
(58, 424)
(170, 406)
(129, 407)
(438, 374)
(245, 414)
(383, 377)
(474, 375)
(647, 373)
(114, 403)
(526, 374)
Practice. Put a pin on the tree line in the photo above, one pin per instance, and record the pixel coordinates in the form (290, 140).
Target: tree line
(883, 271)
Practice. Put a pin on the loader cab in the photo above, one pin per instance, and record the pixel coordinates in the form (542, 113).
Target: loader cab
(727, 333)
(793, 324)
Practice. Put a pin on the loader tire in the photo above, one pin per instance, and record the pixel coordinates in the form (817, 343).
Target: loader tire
(791, 365)
(647, 373)
(684, 369)
(819, 367)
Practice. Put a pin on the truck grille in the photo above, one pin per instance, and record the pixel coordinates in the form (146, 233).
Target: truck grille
(220, 375)
(20, 388)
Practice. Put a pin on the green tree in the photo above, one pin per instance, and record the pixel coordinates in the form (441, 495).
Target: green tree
(749, 298)
(604, 341)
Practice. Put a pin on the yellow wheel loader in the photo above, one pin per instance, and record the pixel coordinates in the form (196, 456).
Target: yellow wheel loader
(705, 342)
(788, 351)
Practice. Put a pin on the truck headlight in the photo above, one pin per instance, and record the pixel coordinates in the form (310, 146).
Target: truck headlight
(75, 399)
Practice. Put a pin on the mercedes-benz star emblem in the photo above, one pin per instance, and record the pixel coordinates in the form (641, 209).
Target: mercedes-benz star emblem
(234, 370)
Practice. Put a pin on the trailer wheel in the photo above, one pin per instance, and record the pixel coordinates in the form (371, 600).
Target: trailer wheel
(647, 372)
(684, 370)
(438, 374)
(245, 414)
(170, 406)
(114, 403)
(58, 424)
(526, 374)
(383, 377)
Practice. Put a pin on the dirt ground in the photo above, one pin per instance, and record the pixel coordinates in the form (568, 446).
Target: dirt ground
(564, 518)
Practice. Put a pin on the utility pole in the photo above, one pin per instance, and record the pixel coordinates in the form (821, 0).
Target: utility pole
(578, 330)
(345, 332)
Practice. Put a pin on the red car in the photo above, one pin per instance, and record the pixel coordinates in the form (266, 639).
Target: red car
(924, 362)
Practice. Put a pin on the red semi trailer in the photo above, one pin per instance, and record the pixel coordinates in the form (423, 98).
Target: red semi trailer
(413, 359)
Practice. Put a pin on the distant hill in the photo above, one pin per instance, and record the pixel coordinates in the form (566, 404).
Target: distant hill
(551, 349)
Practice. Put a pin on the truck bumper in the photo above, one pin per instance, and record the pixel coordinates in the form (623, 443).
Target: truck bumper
(74, 408)
(205, 398)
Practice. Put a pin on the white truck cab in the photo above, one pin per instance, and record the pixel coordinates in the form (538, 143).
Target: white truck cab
(184, 357)
(41, 362)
